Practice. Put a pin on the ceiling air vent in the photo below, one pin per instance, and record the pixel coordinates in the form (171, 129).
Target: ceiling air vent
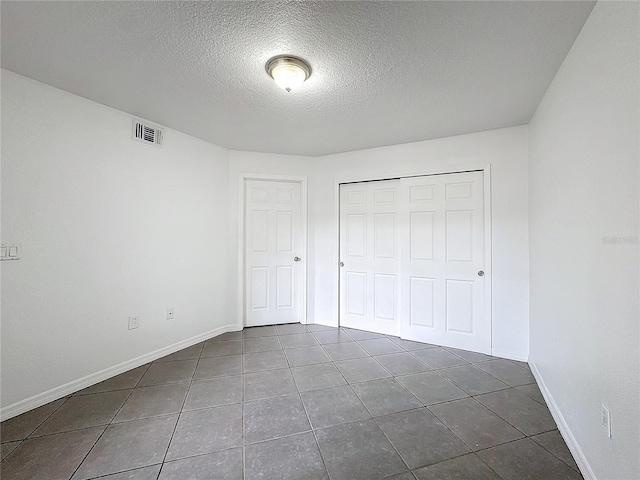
(144, 132)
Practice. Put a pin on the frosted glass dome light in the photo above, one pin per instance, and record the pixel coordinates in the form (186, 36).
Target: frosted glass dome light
(288, 72)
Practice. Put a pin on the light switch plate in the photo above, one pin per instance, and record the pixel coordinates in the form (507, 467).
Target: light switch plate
(10, 251)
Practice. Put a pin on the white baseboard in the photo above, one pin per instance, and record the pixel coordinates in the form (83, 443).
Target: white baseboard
(71, 387)
(563, 427)
(510, 354)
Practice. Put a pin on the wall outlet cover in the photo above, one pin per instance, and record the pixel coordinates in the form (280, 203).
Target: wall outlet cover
(134, 322)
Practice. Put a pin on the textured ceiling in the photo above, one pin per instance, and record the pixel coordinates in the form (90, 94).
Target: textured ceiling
(383, 72)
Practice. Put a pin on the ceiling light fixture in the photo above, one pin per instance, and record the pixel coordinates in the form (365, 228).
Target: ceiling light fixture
(289, 72)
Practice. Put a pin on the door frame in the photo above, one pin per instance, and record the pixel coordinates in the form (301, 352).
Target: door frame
(486, 170)
(244, 178)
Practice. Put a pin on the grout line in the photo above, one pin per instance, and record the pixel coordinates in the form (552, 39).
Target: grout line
(552, 453)
(184, 401)
(315, 436)
(42, 422)
(126, 471)
(109, 424)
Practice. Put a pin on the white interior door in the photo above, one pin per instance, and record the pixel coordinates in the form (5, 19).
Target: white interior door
(274, 273)
(443, 259)
(369, 256)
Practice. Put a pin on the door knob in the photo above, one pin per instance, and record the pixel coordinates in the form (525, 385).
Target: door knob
(342, 264)
(481, 273)
(296, 259)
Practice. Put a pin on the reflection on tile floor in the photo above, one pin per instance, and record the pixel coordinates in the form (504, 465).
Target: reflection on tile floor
(297, 402)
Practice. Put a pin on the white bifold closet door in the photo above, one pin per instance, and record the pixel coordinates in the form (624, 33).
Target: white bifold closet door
(443, 261)
(414, 258)
(273, 247)
(369, 255)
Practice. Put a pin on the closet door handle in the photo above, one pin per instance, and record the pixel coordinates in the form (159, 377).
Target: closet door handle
(481, 273)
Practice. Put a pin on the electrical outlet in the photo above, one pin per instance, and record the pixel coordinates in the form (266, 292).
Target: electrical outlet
(134, 322)
(169, 313)
(606, 421)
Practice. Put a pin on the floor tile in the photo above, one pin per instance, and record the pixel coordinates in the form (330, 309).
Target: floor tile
(333, 406)
(190, 353)
(526, 460)
(471, 357)
(219, 349)
(382, 397)
(474, 424)
(438, 358)
(168, 372)
(53, 456)
(361, 334)
(261, 344)
(473, 380)
(8, 447)
(358, 451)
(273, 418)
(129, 445)
(147, 402)
(205, 431)
(218, 367)
(332, 336)
(524, 365)
(532, 391)
(21, 426)
(124, 381)
(379, 346)
(344, 351)
(362, 370)
(554, 443)
(410, 345)
(291, 458)
(261, 361)
(214, 392)
(402, 363)
(420, 438)
(253, 332)
(144, 473)
(465, 467)
(299, 357)
(314, 377)
(298, 340)
(316, 327)
(190, 405)
(224, 465)
(508, 372)
(431, 388)
(225, 337)
(291, 328)
(268, 384)
(402, 476)
(522, 412)
(84, 411)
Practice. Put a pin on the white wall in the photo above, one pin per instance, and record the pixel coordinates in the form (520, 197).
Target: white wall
(583, 171)
(506, 151)
(109, 227)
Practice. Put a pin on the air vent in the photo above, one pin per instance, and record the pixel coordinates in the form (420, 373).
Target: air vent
(143, 132)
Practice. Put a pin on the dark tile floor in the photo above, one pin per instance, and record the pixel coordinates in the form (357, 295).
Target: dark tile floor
(297, 402)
